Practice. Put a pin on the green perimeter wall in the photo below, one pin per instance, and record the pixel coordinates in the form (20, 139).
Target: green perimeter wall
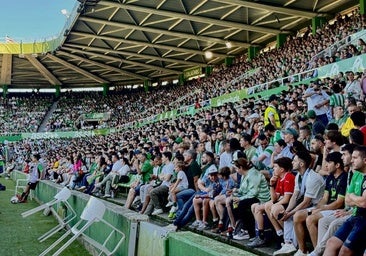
(188, 243)
(151, 239)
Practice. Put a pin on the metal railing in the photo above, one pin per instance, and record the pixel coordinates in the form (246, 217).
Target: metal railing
(339, 45)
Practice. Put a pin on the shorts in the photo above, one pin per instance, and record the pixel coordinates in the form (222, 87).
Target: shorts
(32, 185)
(137, 189)
(353, 233)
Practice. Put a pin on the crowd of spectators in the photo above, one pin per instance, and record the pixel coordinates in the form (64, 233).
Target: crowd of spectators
(23, 113)
(287, 157)
(299, 54)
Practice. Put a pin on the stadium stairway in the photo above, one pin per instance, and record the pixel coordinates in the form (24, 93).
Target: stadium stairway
(42, 127)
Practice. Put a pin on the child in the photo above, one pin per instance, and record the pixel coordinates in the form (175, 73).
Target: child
(218, 204)
(209, 188)
(180, 185)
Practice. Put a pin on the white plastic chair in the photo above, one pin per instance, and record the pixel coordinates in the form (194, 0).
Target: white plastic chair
(20, 186)
(93, 212)
(61, 196)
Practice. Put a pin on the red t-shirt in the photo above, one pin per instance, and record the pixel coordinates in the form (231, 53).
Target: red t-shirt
(286, 185)
(363, 130)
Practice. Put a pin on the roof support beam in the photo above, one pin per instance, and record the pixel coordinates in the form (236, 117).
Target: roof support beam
(117, 70)
(162, 31)
(77, 69)
(43, 70)
(192, 17)
(270, 8)
(139, 43)
(133, 54)
(103, 56)
(6, 69)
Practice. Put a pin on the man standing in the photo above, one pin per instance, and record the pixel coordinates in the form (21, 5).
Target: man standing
(317, 100)
(271, 115)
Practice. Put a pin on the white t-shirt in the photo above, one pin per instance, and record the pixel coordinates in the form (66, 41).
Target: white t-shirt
(117, 166)
(124, 170)
(314, 186)
(167, 169)
(184, 181)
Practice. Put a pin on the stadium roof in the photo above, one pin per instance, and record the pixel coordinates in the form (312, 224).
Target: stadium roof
(120, 42)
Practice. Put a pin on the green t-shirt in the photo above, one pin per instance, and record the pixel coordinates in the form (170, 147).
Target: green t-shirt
(254, 185)
(355, 187)
(146, 171)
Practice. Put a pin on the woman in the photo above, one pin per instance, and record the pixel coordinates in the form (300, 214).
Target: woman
(253, 189)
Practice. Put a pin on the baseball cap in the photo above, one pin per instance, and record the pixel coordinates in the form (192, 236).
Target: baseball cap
(291, 131)
(311, 114)
(137, 151)
(212, 170)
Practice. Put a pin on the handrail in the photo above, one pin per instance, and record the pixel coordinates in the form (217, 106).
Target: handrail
(352, 38)
(339, 44)
(42, 46)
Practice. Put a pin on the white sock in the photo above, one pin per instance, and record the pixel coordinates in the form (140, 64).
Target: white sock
(279, 232)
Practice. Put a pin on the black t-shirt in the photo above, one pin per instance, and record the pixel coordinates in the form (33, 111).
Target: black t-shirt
(336, 186)
(192, 171)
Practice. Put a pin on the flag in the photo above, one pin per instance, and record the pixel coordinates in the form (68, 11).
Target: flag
(9, 40)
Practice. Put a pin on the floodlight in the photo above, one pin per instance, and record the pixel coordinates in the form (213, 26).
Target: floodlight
(208, 55)
(65, 13)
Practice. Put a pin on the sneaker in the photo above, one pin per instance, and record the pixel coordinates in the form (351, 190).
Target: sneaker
(300, 253)
(173, 209)
(82, 188)
(107, 196)
(97, 194)
(218, 229)
(241, 235)
(157, 212)
(170, 203)
(257, 242)
(171, 215)
(203, 226)
(286, 249)
(228, 232)
(195, 224)
(171, 227)
(112, 194)
(313, 253)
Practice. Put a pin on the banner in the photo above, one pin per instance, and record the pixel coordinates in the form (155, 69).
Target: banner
(230, 97)
(96, 116)
(355, 64)
(196, 71)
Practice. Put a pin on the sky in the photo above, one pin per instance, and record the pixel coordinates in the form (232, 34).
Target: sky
(32, 20)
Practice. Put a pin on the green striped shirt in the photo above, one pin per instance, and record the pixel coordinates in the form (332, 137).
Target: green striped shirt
(336, 100)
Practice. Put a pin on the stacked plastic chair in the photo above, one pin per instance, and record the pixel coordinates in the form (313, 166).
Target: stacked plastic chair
(92, 213)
